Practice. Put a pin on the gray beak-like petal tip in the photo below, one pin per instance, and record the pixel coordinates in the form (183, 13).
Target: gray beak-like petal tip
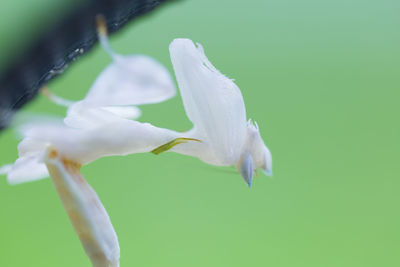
(246, 169)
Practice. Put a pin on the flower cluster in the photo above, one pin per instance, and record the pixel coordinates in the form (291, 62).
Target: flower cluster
(103, 124)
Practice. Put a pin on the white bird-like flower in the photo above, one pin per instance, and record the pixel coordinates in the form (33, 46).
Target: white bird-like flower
(101, 125)
(215, 106)
(98, 125)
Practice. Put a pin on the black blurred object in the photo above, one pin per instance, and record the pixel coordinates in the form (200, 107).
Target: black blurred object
(74, 35)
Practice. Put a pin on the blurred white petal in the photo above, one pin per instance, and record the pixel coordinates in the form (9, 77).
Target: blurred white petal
(267, 164)
(24, 120)
(126, 112)
(120, 137)
(26, 169)
(5, 169)
(80, 115)
(30, 145)
(131, 80)
(125, 83)
(85, 210)
(84, 145)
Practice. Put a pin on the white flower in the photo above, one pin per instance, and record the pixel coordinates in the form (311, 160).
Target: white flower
(215, 106)
(98, 125)
(101, 125)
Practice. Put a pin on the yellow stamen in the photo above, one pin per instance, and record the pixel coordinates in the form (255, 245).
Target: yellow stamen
(101, 25)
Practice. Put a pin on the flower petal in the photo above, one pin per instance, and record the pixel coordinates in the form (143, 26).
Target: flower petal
(259, 151)
(120, 137)
(27, 169)
(82, 116)
(131, 80)
(267, 166)
(126, 112)
(5, 169)
(85, 210)
(212, 102)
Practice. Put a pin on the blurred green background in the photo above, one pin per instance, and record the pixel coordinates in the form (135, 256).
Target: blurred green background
(321, 78)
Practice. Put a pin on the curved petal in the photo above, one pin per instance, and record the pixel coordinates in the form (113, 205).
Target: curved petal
(128, 81)
(256, 147)
(29, 146)
(131, 80)
(126, 112)
(120, 137)
(5, 169)
(27, 169)
(85, 210)
(82, 116)
(212, 101)
(267, 166)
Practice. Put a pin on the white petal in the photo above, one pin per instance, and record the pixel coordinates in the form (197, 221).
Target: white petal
(27, 169)
(29, 146)
(131, 80)
(212, 102)
(24, 120)
(267, 166)
(85, 210)
(127, 112)
(258, 150)
(120, 137)
(5, 169)
(80, 115)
